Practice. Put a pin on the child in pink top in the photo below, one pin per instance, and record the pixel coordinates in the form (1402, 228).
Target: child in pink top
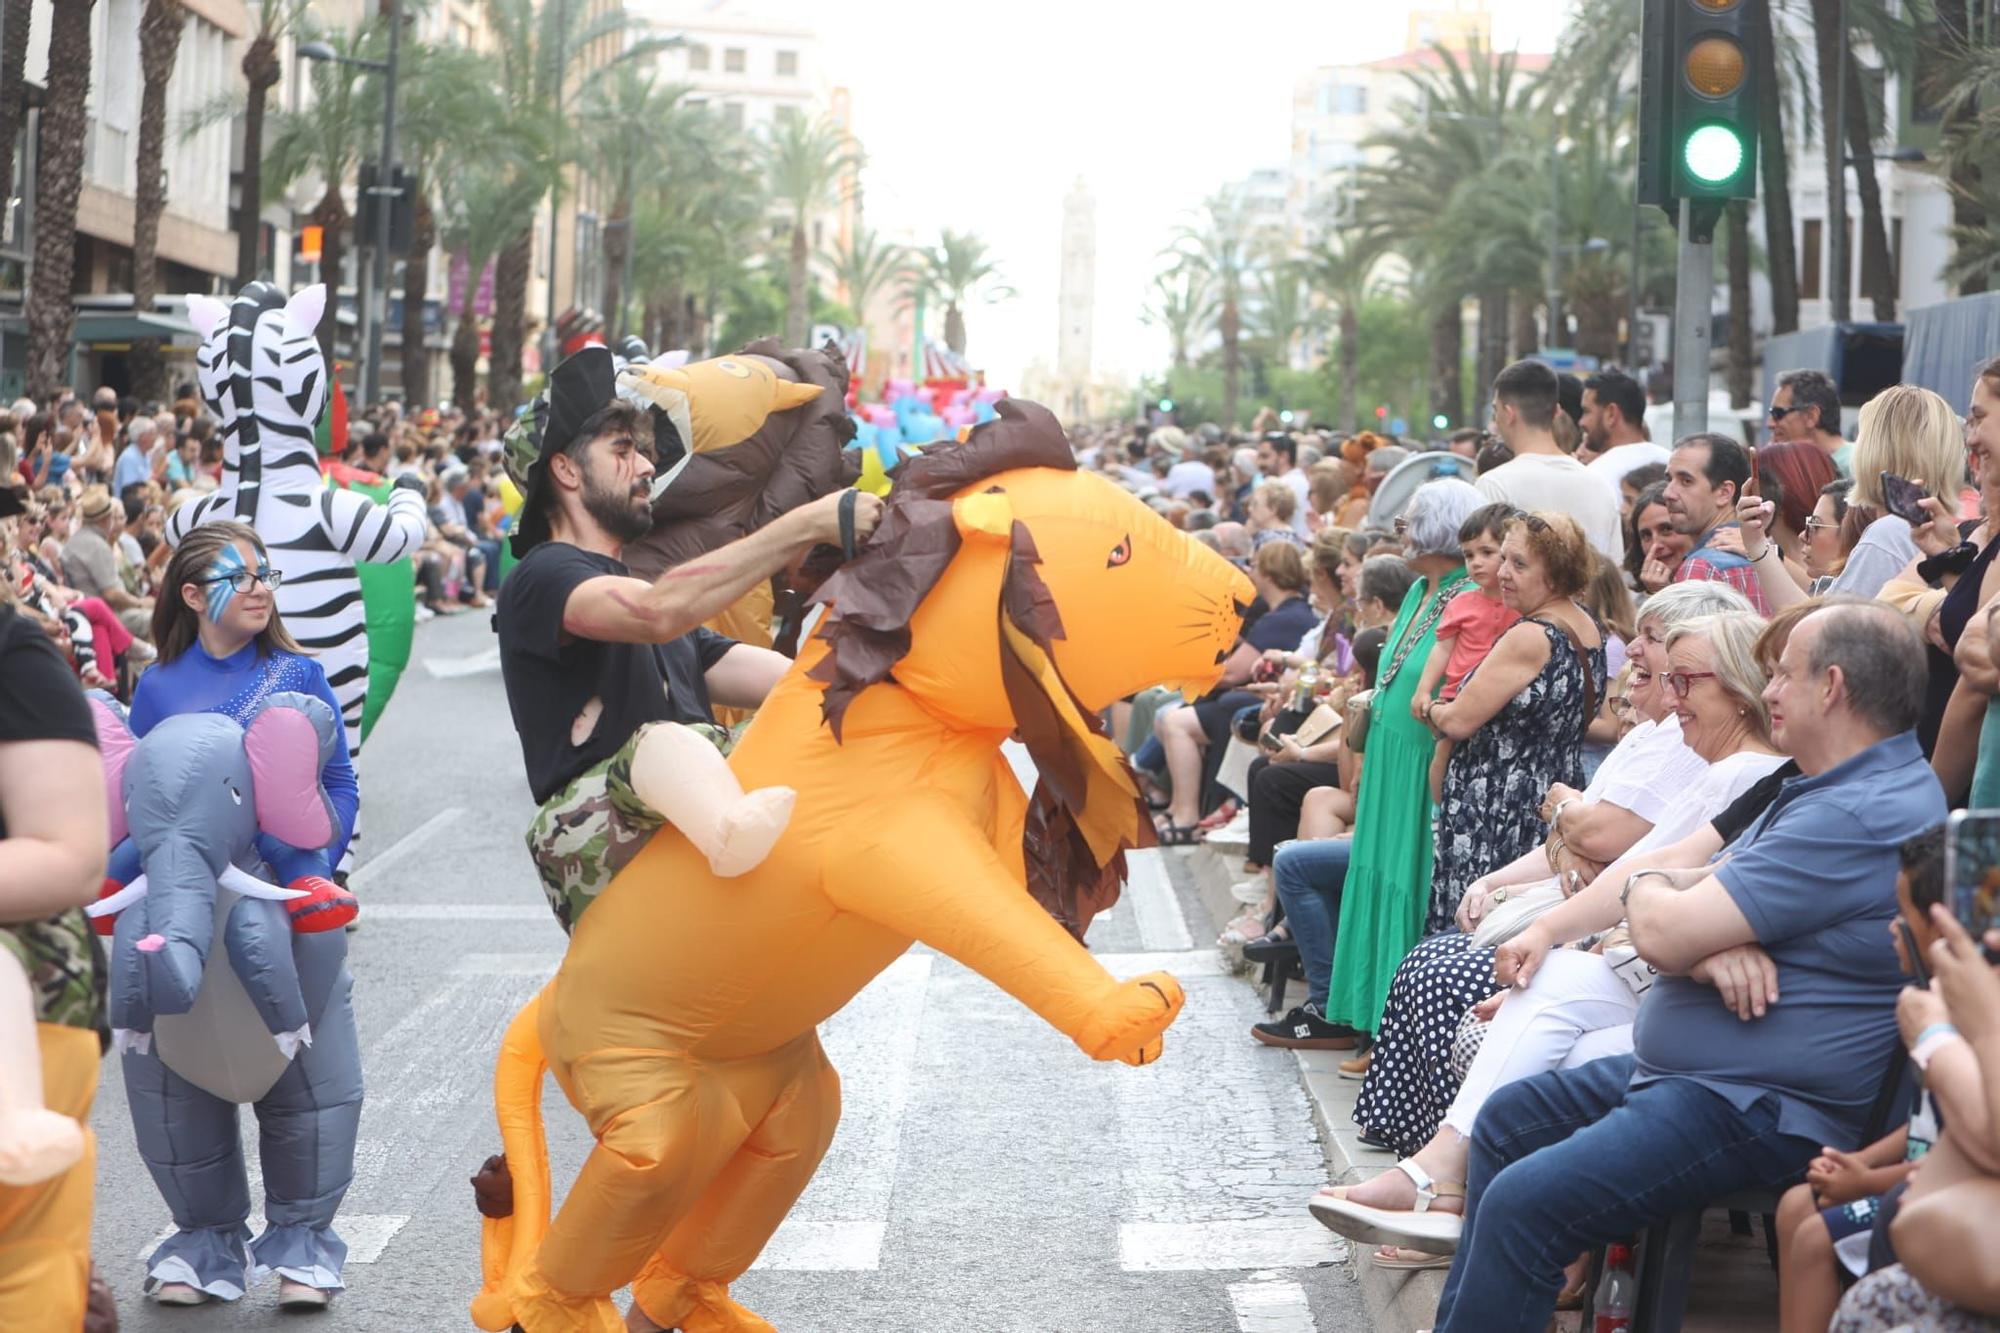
(1472, 623)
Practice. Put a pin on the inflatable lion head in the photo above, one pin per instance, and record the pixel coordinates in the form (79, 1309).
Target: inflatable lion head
(1009, 592)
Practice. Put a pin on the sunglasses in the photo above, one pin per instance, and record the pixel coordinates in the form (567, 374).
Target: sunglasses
(1680, 682)
(243, 580)
(1780, 413)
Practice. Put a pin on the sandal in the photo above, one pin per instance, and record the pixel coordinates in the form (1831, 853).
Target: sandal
(1176, 835)
(1395, 1256)
(1416, 1228)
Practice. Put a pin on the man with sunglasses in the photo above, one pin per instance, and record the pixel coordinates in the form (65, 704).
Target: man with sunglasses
(1806, 407)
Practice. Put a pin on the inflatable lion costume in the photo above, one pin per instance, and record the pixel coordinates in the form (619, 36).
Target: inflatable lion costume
(1005, 593)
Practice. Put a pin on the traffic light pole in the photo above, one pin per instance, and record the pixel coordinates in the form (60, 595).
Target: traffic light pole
(1694, 291)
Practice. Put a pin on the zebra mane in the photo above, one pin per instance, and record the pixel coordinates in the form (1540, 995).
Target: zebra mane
(261, 373)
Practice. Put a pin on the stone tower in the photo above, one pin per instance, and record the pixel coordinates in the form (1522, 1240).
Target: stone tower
(1077, 296)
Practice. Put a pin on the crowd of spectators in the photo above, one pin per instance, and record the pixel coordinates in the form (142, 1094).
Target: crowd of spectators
(1599, 803)
(89, 487)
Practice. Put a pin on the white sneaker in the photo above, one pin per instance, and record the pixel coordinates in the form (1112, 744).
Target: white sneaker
(1236, 830)
(425, 613)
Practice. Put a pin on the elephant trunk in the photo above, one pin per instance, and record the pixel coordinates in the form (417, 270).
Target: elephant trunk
(177, 925)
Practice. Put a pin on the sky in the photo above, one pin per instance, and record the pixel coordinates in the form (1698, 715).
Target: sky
(980, 115)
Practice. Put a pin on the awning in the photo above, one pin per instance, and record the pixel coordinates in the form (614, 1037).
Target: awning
(113, 326)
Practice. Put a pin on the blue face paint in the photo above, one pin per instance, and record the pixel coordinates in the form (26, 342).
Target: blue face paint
(228, 564)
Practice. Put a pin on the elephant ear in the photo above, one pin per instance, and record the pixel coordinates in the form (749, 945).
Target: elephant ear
(288, 741)
(114, 745)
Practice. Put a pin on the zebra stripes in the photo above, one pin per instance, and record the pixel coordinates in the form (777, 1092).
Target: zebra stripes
(260, 371)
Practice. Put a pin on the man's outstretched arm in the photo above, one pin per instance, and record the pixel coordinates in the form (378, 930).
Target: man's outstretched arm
(614, 609)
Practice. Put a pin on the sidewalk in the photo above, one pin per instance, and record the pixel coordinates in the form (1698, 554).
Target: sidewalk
(1735, 1289)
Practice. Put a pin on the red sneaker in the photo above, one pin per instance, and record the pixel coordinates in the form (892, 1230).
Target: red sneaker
(326, 906)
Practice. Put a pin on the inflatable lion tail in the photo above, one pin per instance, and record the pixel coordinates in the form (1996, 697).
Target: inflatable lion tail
(513, 1189)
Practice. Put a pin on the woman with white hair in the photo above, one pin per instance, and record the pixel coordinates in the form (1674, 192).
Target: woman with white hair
(1906, 431)
(1386, 868)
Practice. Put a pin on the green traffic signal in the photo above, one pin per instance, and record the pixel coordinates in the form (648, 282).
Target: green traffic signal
(1713, 153)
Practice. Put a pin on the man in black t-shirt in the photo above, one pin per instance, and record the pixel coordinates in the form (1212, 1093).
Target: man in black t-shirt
(593, 657)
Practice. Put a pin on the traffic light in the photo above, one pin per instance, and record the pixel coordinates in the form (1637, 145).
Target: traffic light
(1166, 405)
(1698, 100)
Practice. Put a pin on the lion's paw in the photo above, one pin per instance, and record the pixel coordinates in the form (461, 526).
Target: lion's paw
(1128, 1025)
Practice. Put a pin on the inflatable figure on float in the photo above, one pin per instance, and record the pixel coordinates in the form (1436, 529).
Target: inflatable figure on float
(218, 999)
(260, 371)
(1004, 592)
(767, 434)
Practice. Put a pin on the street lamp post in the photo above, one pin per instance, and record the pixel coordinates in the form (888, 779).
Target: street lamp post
(385, 194)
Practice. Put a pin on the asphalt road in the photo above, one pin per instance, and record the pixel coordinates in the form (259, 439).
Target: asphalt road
(986, 1176)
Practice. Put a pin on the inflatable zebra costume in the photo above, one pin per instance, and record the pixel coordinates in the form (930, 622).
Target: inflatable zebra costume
(260, 371)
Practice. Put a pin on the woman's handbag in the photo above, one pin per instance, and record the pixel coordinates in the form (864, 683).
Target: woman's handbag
(1360, 711)
(1504, 920)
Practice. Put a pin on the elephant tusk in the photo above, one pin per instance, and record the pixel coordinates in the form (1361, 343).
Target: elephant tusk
(118, 901)
(248, 885)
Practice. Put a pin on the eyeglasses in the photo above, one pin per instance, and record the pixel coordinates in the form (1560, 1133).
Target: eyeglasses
(1402, 527)
(1680, 682)
(1780, 413)
(1818, 524)
(243, 580)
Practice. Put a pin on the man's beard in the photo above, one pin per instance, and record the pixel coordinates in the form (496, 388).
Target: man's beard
(620, 513)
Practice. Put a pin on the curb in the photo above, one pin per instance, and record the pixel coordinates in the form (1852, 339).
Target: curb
(1398, 1301)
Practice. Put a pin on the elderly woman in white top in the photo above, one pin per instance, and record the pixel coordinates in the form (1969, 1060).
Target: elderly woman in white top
(1579, 1005)
(1905, 431)
(1637, 788)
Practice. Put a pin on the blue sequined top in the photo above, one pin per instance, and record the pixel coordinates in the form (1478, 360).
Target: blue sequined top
(236, 686)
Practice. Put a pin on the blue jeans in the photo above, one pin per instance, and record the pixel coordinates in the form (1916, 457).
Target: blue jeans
(1574, 1158)
(1309, 877)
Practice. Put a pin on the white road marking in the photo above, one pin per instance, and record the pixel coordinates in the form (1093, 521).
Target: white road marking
(1161, 925)
(1271, 1307)
(1294, 1240)
(478, 664)
(404, 845)
(1187, 963)
(366, 1234)
(838, 1224)
(456, 912)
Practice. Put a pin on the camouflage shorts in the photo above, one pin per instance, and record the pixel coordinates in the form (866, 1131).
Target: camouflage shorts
(65, 967)
(587, 832)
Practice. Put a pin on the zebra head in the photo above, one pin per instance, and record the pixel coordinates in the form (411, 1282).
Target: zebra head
(260, 371)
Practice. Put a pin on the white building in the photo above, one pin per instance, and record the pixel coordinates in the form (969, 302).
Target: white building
(753, 62)
(1076, 297)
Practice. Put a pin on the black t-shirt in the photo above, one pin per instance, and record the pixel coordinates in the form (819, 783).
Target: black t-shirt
(39, 697)
(1742, 812)
(551, 676)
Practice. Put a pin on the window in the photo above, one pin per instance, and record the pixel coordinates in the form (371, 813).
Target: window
(732, 59)
(697, 57)
(786, 115)
(788, 64)
(732, 115)
(1350, 99)
(1809, 261)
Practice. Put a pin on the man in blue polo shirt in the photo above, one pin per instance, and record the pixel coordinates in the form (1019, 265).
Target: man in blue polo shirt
(1708, 1103)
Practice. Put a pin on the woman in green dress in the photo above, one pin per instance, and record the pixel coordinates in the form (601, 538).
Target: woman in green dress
(1389, 875)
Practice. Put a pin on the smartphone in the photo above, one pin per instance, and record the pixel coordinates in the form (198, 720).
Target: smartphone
(1921, 969)
(1900, 496)
(1972, 872)
(1750, 483)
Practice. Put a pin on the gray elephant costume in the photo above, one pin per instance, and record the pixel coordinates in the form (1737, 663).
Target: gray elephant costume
(217, 1001)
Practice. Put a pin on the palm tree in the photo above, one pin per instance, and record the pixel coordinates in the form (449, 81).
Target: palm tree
(160, 28)
(483, 198)
(1341, 271)
(695, 233)
(1281, 311)
(1183, 305)
(1836, 61)
(1217, 245)
(58, 183)
(637, 125)
(1968, 74)
(450, 101)
(803, 162)
(321, 141)
(1780, 254)
(14, 20)
(954, 273)
(862, 267)
(261, 71)
(541, 49)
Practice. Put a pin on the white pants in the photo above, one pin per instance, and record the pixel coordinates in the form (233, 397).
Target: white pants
(1575, 1010)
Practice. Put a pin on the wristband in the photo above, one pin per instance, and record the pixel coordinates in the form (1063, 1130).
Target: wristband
(1930, 1041)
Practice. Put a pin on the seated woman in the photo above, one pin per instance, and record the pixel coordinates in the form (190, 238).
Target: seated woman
(1409, 1085)
(1278, 572)
(1653, 550)
(1576, 1005)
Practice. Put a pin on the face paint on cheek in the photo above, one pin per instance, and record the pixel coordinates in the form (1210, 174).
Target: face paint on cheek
(228, 563)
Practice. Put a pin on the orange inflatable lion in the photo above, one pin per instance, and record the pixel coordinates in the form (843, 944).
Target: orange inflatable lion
(1005, 593)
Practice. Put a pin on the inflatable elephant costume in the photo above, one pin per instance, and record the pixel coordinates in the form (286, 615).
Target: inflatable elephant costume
(216, 1001)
